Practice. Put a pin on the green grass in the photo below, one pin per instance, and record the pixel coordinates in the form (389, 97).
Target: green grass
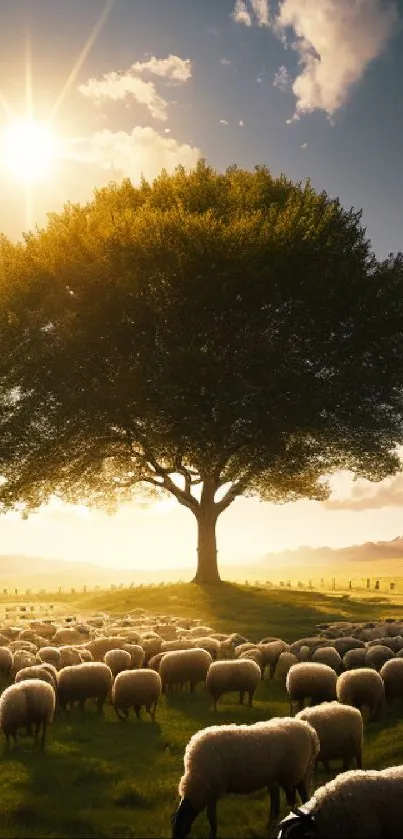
(103, 778)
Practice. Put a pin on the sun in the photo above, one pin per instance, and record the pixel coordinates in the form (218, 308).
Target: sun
(27, 149)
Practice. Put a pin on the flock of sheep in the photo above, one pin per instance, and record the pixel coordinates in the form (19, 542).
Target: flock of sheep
(335, 679)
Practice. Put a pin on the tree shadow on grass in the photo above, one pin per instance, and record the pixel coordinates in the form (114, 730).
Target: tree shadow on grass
(257, 612)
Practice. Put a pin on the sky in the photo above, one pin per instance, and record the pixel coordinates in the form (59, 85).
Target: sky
(311, 88)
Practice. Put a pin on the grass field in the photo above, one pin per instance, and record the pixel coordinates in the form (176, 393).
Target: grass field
(103, 778)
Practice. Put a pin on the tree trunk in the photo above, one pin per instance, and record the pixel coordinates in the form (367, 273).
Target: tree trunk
(206, 517)
(207, 569)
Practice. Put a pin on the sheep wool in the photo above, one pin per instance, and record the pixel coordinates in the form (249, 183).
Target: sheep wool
(240, 675)
(118, 660)
(377, 655)
(355, 659)
(392, 675)
(182, 666)
(361, 688)
(38, 672)
(135, 689)
(30, 702)
(329, 656)
(79, 682)
(285, 662)
(310, 680)
(355, 805)
(51, 655)
(340, 732)
(243, 759)
(6, 660)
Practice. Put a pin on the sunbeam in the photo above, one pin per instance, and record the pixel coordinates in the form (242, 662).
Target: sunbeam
(83, 55)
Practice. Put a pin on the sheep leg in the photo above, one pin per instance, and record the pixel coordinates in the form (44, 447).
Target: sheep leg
(212, 817)
(274, 796)
(327, 768)
(36, 733)
(43, 734)
(241, 696)
(302, 791)
(359, 758)
(151, 709)
(81, 705)
(100, 703)
(121, 715)
(137, 711)
(272, 670)
(250, 695)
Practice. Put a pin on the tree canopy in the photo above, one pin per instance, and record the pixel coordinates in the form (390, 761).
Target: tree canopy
(210, 335)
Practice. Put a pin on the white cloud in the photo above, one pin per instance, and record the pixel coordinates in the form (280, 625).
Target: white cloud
(173, 68)
(336, 41)
(304, 145)
(226, 62)
(282, 78)
(259, 12)
(240, 122)
(241, 14)
(141, 152)
(224, 121)
(121, 86)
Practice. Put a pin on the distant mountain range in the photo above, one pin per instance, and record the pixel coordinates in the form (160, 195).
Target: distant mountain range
(369, 559)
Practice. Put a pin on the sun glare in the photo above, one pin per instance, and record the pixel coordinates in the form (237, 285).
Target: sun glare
(28, 149)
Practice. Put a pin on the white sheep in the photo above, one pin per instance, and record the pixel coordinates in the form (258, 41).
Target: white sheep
(355, 805)
(243, 759)
(51, 655)
(118, 660)
(285, 662)
(240, 675)
(136, 654)
(182, 666)
(6, 661)
(329, 656)
(340, 731)
(135, 689)
(310, 680)
(392, 675)
(271, 653)
(377, 655)
(79, 682)
(362, 688)
(39, 672)
(26, 704)
(354, 659)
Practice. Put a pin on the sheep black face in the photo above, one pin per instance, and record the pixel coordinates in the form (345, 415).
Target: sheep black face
(298, 825)
(183, 819)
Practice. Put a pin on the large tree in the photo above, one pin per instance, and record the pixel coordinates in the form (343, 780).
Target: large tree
(207, 335)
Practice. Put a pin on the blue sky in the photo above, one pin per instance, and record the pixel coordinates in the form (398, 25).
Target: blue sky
(311, 88)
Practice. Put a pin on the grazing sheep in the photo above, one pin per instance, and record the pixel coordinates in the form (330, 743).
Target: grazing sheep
(271, 653)
(51, 655)
(285, 662)
(392, 675)
(135, 688)
(376, 656)
(79, 682)
(343, 645)
(340, 732)
(182, 666)
(361, 688)
(99, 646)
(30, 702)
(243, 759)
(22, 646)
(22, 658)
(67, 636)
(242, 648)
(118, 660)
(69, 656)
(355, 805)
(310, 680)
(136, 654)
(38, 672)
(255, 655)
(329, 656)
(238, 675)
(354, 659)
(155, 661)
(6, 661)
(210, 644)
